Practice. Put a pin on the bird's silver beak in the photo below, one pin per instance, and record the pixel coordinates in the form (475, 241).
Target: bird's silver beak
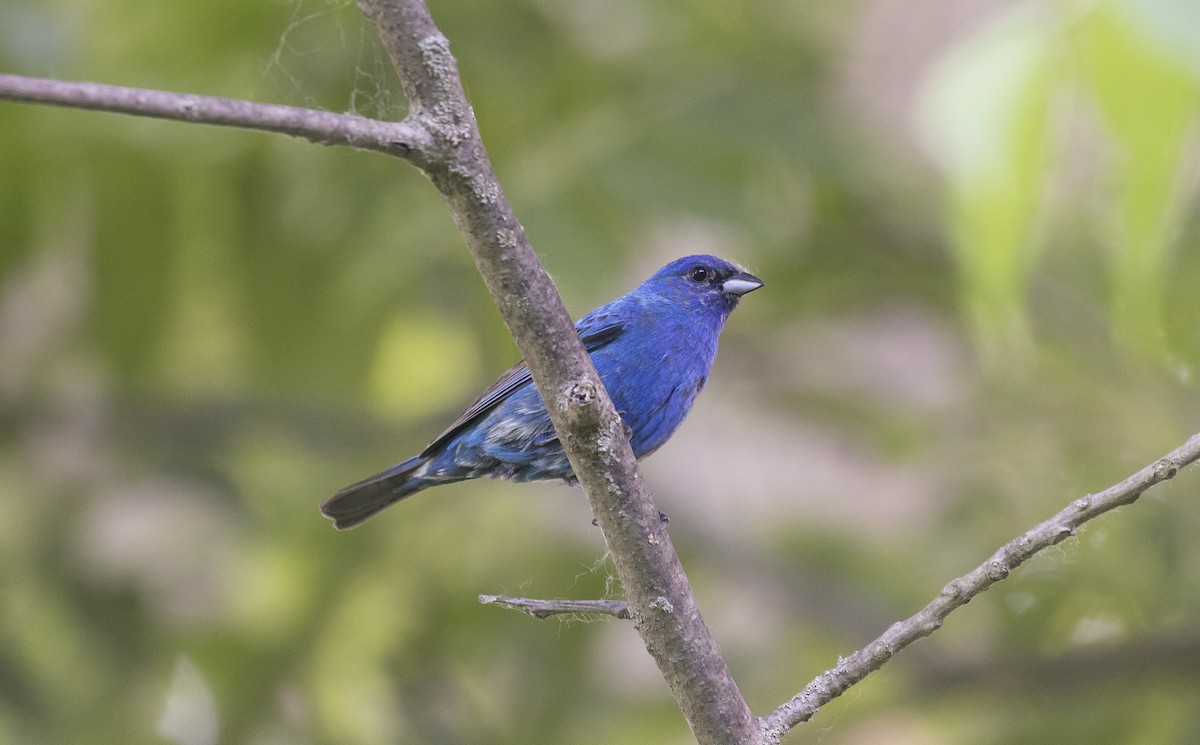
(740, 284)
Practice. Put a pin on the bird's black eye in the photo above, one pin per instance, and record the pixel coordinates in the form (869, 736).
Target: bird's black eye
(699, 274)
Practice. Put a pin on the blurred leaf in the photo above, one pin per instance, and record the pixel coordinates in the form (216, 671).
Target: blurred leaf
(1150, 103)
(409, 373)
(983, 117)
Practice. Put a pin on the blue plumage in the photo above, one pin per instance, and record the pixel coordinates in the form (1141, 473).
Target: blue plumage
(653, 348)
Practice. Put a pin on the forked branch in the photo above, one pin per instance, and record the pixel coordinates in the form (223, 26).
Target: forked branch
(957, 593)
(440, 136)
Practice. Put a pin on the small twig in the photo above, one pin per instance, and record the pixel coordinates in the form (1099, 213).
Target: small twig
(401, 139)
(850, 670)
(543, 609)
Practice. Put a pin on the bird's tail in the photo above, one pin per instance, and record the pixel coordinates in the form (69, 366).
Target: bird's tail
(357, 502)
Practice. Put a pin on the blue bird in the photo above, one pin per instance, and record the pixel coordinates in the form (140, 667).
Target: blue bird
(653, 348)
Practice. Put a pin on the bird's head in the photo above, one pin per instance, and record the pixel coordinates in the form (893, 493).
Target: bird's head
(704, 282)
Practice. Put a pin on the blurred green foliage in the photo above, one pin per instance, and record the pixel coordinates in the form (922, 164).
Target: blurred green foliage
(1005, 113)
(978, 227)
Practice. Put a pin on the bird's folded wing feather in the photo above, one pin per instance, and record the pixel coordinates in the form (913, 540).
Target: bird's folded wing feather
(596, 330)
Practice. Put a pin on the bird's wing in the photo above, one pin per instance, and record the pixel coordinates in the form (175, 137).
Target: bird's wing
(596, 330)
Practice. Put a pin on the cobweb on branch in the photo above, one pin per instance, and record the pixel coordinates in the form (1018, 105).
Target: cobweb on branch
(328, 58)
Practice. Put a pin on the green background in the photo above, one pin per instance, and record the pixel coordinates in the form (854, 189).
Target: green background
(978, 226)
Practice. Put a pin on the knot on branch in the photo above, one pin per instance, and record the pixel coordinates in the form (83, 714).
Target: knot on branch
(1165, 469)
(1063, 534)
(507, 238)
(880, 652)
(954, 590)
(189, 107)
(997, 570)
(581, 394)
(662, 604)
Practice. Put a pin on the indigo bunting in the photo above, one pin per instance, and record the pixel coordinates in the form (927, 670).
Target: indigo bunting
(652, 347)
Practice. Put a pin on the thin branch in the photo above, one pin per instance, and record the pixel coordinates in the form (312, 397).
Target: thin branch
(543, 609)
(324, 128)
(850, 670)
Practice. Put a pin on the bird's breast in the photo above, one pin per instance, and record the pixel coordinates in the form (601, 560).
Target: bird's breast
(654, 384)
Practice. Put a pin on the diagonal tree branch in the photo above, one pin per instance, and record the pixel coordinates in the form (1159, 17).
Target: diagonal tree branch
(400, 139)
(957, 593)
(660, 599)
